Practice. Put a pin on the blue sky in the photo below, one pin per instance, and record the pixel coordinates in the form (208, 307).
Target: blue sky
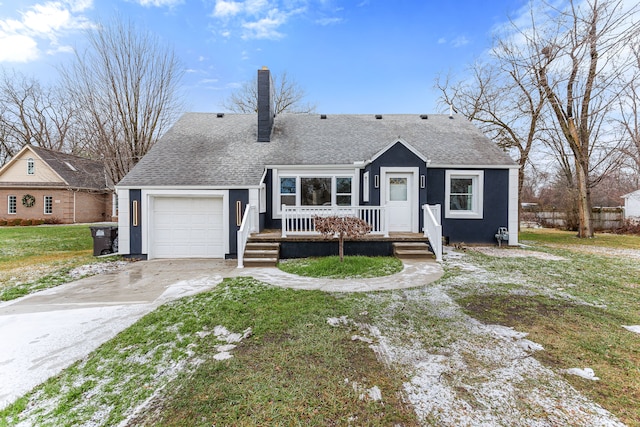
(362, 56)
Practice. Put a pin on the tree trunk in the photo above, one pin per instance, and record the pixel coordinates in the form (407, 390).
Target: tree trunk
(341, 246)
(585, 227)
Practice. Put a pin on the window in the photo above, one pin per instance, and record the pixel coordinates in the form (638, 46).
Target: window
(287, 191)
(48, 205)
(343, 191)
(464, 194)
(329, 190)
(31, 166)
(398, 189)
(315, 191)
(12, 203)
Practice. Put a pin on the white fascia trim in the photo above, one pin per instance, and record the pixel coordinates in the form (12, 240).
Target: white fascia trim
(289, 168)
(451, 166)
(187, 187)
(513, 207)
(403, 142)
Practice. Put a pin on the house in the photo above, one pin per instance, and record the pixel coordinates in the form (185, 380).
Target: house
(213, 176)
(632, 205)
(38, 183)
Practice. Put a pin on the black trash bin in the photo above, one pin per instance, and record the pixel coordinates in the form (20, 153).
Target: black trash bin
(105, 239)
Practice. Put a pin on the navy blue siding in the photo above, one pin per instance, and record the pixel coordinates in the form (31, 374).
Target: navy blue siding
(301, 249)
(241, 196)
(135, 232)
(496, 207)
(398, 155)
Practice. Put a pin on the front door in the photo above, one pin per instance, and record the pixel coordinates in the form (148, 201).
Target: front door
(399, 199)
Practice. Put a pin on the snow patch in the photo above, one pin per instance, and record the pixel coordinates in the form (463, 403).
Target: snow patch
(338, 321)
(586, 373)
(633, 328)
(224, 335)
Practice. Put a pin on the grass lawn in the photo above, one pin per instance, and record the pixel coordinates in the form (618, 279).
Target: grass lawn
(33, 258)
(291, 366)
(351, 267)
(562, 237)
(575, 308)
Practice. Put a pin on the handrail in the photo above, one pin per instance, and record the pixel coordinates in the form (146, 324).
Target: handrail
(433, 229)
(247, 226)
(298, 220)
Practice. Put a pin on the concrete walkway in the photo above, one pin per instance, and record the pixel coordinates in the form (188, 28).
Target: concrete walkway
(43, 333)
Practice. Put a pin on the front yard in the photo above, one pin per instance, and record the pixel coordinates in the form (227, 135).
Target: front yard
(35, 258)
(248, 353)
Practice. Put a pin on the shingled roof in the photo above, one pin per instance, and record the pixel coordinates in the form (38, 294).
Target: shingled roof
(207, 149)
(77, 172)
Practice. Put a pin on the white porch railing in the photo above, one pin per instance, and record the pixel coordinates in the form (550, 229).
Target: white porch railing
(298, 220)
(433, 228)
(249, 225)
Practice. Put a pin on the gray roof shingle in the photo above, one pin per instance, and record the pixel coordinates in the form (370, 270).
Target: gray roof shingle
(83, 173)
(203, 149)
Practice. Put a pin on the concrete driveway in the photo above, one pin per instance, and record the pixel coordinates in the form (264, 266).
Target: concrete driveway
(42, 333)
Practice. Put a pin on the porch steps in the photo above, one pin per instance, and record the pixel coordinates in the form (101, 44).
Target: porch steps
(261, 254)
(412, 250)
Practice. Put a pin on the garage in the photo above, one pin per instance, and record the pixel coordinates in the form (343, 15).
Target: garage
(187, 227)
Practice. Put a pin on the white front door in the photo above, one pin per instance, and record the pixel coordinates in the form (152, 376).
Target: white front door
(399, 199)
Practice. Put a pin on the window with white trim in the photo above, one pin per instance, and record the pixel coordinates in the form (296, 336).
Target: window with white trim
(31, 166)
(12, 204)
(48, 205)
(343, 191)
(314, 190)
(464, 194)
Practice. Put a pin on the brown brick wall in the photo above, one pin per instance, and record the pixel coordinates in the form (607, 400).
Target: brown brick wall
(90, 207)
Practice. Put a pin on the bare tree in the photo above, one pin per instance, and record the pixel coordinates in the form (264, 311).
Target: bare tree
(578, 57)
(288, 97)
(630, 112)
(125, 85)
(341, 226)
(501, 100)
(33, 114)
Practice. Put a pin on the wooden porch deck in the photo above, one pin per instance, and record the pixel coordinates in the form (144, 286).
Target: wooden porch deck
(276, 236)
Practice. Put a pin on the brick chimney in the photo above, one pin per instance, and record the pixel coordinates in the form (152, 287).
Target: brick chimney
(265, 105)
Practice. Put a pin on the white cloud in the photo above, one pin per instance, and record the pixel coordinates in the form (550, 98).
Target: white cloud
(39, 28)
(459, 41)
(46, 18)
(328, 21)
(17, 48)
(267, 27)
(258, 19)
(225, 9)
(442, 40)
(160, 3)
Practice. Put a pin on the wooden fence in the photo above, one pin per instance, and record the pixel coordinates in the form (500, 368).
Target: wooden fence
(603, 218)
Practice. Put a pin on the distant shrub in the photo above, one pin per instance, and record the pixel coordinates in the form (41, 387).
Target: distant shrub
(3, 222)
(53, 220)
(26, 222)
(38, 221)
(16, 221)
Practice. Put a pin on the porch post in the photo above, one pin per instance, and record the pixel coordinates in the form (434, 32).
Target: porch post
(284, 220)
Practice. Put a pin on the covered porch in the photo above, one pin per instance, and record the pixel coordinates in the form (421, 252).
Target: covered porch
(298, 237)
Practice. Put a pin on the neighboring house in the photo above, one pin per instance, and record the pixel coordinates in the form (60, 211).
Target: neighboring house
(189, 195)
(38, 183)
(632, 205)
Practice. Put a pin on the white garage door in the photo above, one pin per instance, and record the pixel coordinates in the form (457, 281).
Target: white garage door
(187, 228)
